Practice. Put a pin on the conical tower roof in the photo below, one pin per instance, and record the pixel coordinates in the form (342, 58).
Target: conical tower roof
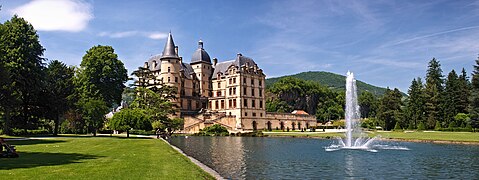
(169, 51)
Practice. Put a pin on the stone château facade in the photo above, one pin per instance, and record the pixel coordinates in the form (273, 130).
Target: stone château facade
(230, 93)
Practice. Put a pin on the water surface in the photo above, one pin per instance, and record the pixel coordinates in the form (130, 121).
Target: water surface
(303, 158)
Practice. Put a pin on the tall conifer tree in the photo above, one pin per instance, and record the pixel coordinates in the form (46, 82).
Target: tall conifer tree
(451, 97)
(415, 104)
(433, 93)
(474, 104)
(464, 92)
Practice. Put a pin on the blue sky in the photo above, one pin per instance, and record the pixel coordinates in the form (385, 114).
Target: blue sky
(385, 43)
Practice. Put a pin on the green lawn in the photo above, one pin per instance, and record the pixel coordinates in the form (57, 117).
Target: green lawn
(433, 136)
(98, 158)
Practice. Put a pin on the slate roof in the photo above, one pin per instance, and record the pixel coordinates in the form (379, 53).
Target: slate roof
(169, 51)
(156, 58)
(238, 62)
(200, 55)
(187, 70)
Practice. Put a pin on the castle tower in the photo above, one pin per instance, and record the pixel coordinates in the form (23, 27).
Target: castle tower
(201, 63)
(170, 65)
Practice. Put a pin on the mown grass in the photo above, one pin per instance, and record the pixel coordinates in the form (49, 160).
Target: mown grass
(98, 158)
(430, 135)
(407, 135)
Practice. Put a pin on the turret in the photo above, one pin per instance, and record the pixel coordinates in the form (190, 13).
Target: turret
(201, 63)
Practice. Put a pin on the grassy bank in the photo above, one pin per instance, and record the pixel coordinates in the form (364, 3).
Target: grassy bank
(430, 136)
(407, 135)
(98, 158)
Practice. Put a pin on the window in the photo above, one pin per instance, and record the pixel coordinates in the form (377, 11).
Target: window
(260, 114)
(218, 93)
(176, 79)
(216, 105)
(230, 103)
(252, 91)
(260, 82)
(222, 104)
(230, 80)
(244, 80)
(219, 85)
(244, 91)
(169, 69)
(253, 104)
(234, 80)
(230, 90)
(261, 104)
(234, 103)
(209, 105)
(260, 93)
(254, 114)
(245, 103)
(234, 91)
(168, 79)
(252, 82)
(245, 114)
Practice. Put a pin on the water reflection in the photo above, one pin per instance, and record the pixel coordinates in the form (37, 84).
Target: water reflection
(349, 164)
(298, 158)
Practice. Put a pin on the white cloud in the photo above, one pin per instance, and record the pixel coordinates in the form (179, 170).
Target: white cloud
(157, 35)
(59, 15)
(125, 34)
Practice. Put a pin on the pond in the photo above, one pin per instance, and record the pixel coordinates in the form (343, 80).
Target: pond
(306, 158)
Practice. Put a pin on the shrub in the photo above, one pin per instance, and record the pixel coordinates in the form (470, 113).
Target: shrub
(438, 126)
(421, 126)
(214, 130)
(397, 127)
(452, 125)
(22, 132)
(141, 132)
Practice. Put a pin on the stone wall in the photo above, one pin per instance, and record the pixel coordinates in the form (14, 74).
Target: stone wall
(193, 124)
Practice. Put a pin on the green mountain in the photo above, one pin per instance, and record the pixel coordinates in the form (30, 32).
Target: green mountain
(331, 80)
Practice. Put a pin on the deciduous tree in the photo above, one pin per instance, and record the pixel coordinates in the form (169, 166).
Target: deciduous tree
(21, 56)
(102, 75)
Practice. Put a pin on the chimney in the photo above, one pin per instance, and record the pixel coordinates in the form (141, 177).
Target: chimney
(176, 50)
(215, 61)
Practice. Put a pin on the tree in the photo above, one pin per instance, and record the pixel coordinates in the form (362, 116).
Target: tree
(59, 86)
(451, 98)
(433, 93)
(93, 112)
(464, 87)
(102, 75)
(21, 56)
(128, 119)
(389, 111)
(415, 103)
(367, 104)
(474, 98)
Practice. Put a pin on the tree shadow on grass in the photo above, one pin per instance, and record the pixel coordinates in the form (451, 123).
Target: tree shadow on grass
(37, 159)
(21, 142)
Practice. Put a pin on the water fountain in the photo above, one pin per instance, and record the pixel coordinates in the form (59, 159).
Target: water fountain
(355, 138)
